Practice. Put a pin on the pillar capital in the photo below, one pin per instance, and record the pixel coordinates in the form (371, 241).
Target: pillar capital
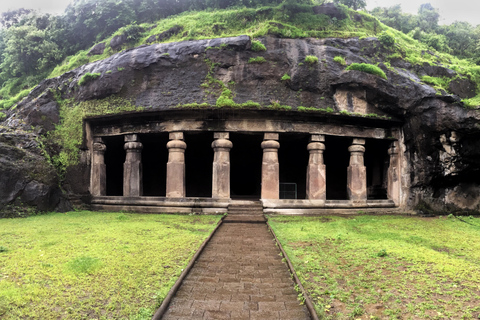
(270, 145)
(270, 136)
(177, 144)
(133, 146)
(316, 146)
(356, 148)
(222, 144)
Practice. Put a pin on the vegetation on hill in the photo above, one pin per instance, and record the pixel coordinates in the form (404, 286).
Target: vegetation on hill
(34, 47)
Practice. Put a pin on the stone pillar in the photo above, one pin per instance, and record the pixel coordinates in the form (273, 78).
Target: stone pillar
(270, 167)
(316, 174)
(221, 166)
(132, 168)
(176, 166)
(98, 178)
(393, 179)
(357, 172)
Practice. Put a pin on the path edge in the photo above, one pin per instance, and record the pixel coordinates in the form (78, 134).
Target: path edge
(164, 306)
(308, 300)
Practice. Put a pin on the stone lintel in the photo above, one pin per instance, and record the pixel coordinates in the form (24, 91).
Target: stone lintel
(358, 141)
(270, 136)
(131, 137)
(317, 138)
(221, 135)
(175, 135)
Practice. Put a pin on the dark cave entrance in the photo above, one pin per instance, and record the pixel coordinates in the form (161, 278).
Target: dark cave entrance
(154, 162)
(293, 159)
(337, 158)
(114, 159)
(198, 164)
(246, 166)
(377, 161)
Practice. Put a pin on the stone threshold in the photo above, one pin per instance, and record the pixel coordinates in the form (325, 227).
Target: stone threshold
(220, 206)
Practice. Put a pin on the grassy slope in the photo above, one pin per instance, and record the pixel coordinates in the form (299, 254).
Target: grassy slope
(84, 265)
(386, 267)
(288, 22)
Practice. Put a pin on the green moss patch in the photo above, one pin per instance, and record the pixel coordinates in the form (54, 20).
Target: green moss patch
(368, 68)
(85, 265)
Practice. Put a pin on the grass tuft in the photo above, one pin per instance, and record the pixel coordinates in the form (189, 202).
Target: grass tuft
(85, 265)
(368, 68)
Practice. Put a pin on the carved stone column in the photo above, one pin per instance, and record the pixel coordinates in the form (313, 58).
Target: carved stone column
(316, 174)
(221, 166)
(270, 167)
(176, 166)
(357, 172)
(98, 178)
(132, 168)
(393, 180)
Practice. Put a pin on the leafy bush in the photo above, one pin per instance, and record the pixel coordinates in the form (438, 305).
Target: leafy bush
(368, 68)
(340, 59)
(5, 104)
(311, 59)
(386, 38)
(258, 46)
(225, 99)
(88, 77)
(285, 77)
(257, 60)
(2, 116)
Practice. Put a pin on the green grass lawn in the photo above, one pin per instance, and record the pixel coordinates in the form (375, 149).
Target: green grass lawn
(86, 265)
(386, 267)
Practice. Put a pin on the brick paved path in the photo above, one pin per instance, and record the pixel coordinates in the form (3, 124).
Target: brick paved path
(239, 275)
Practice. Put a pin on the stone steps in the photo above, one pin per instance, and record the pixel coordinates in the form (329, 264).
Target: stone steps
(245, 212)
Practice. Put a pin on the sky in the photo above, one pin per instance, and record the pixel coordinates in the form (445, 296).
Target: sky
(450, 10)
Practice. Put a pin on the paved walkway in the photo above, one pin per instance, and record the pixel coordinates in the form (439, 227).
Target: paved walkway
(239, 275)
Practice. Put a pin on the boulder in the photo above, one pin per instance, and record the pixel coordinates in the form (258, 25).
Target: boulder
(331, 10)
(97, 49)
(118, 41)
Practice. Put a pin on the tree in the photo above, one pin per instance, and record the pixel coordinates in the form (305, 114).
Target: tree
(28, 51)
(354, 4)
(13, 17)
(428, 17)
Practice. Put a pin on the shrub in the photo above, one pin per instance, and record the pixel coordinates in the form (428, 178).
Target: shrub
(2, 116)
(368, 68)
(257, 60)
(311, 59)
(225, 99)
(285, 77)
(258, 46)
(340, 60)
(386, 38)
(88, 77)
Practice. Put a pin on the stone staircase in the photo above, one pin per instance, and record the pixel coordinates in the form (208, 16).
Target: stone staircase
(245, 211)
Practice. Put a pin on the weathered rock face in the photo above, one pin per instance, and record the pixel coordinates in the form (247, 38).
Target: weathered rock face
(442, 137)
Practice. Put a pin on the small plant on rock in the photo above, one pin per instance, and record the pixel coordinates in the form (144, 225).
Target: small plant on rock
(311, 59)
(257, 60)
(285, 77)
(88, 77)
(258, 46)
(368, 68)
(340, 60)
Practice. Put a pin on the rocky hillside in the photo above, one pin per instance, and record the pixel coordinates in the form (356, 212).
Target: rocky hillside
(40, 140)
